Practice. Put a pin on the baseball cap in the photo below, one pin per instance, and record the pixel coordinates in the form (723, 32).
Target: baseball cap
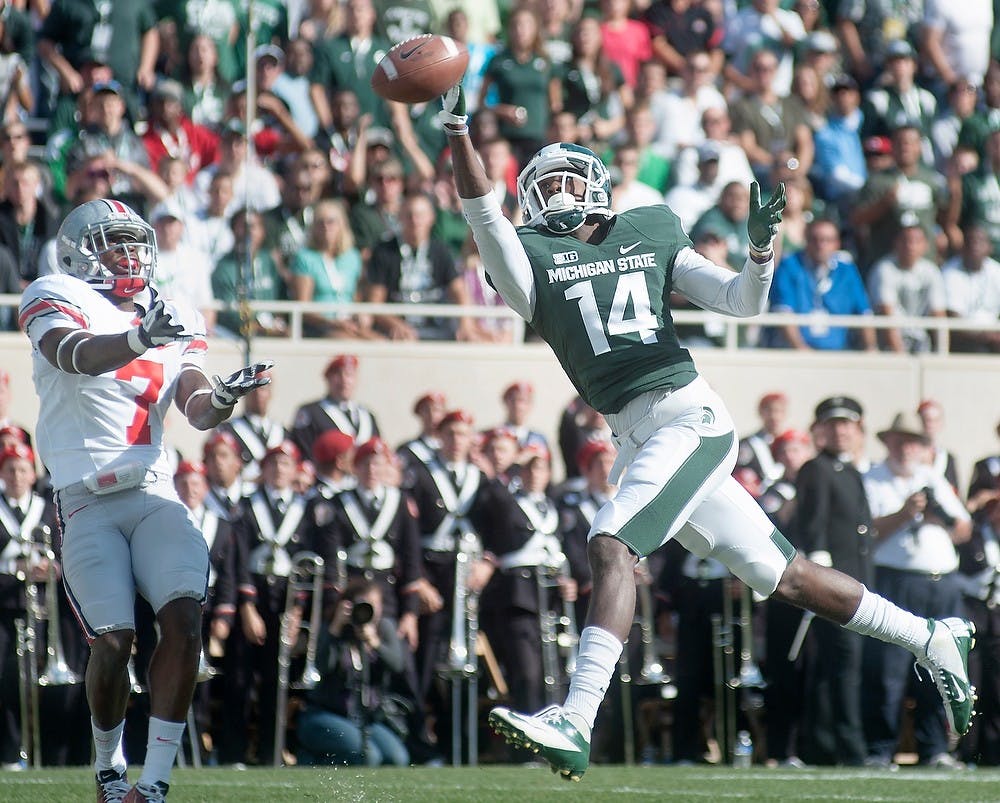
(111, 86)
(272, 51)
(169, 89)
(838, 407)
(899, 49)
(843, 81)
(234, 128)
(708, 151)
(877, 146)
(165, 209)
(379, 136)
(821, 42)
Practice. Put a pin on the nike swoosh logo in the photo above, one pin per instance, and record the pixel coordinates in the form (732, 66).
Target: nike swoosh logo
(404, 55)
(71, 515)
(624, 249)
(161, 739)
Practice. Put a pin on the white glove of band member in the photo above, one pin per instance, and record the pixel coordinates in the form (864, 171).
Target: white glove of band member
(159, 326)
(234, 387)
(452, 115)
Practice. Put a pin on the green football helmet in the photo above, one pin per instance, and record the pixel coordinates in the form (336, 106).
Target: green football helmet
(584, 189)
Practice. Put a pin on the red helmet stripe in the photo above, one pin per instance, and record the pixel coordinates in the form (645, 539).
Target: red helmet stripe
(116, 206)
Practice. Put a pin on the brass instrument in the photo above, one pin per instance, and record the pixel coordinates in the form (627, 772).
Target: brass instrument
(749, 676)
(56, 672)
(462, 662)
(559, 634)
(651, 673)
(306, 574)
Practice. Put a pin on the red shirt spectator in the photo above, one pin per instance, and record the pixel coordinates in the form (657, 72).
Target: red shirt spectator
(626, 41)
(170, 133)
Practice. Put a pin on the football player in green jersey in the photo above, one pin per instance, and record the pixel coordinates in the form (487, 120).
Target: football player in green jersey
(596, 286)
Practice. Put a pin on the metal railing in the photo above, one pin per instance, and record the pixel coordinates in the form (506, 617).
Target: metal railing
(735, 330)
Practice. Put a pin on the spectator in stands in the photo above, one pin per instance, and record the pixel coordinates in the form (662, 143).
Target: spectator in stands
(898, 100)
(320, 20)
(640, 128)
(122, 33)
(956, 41)
(328, 270)
(210, 229)
(878, 154)
(755, 449)
(288, 223)
(173, 171)
(820, 280)
(917, 519)
(15, 147)
(629, 192)
(221, 26)
(527, 86)
(627, 41)
(480, 53)
(483, 294)
(27, 222)
(261, 276)
(557, 20)
(341, 138)
(206, 90)
(679, 29)
(288, 79)
(592, 86)
(679, 114)
(908, 186)
(710, 243)
(796, 216)
(979, 195)
(107, 148)
(907, 283)
(170, 133)
(450, 226)
(733, 163)
(810, 97)
(867, 28)
(728, 219)
(518, 400)
(767, 123)
(414, 268)
(580, 424)
(347, 61)
(498, 157)
(275, 133)
(690, 202)
(762, 27)
(10, 282)
(975, 130)
(372, 222)
(182, 271)
(399, 20)
(931, 414)
(16, 98)
(972, 291)
(821, 51)
(253, 185)
(959, 106)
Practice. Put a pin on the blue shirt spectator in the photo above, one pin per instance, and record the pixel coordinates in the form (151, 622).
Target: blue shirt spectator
(823, 281)
(840, 168)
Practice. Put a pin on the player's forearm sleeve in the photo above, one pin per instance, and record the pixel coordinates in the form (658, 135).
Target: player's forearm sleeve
(503, 255)
(718, 289)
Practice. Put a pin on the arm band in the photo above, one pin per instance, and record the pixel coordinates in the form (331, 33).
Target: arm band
(191, 398)
(60, 361)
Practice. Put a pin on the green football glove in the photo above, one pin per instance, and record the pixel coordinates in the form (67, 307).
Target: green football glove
(762, 224)
(452, 115)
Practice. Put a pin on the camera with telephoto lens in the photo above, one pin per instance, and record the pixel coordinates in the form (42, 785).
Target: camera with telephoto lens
(361, 614)
(934, 508)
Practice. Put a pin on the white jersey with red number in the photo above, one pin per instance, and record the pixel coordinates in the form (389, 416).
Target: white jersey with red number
(88, 423)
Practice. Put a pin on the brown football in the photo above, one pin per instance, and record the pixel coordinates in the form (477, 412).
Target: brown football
(420, 69)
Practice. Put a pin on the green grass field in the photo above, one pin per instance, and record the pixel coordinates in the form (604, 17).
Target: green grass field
(525, 785)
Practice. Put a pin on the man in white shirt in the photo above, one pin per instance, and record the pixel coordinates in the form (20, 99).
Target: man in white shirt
(183, 271)
(972, 291)
(918, 519)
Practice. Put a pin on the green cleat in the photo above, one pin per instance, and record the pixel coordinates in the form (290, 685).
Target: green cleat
(946, 658)
(549, 734)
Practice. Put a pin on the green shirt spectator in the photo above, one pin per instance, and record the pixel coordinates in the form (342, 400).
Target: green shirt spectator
(728, 220)
(981, 193)
(217, 19)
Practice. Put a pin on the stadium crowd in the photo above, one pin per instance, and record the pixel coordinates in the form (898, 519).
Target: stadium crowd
(883, 120)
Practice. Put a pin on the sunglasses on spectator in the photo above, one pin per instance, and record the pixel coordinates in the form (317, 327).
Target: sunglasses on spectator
(387, 177)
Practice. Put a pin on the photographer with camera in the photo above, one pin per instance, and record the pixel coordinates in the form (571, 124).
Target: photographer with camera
(918, 521)
(349, 717)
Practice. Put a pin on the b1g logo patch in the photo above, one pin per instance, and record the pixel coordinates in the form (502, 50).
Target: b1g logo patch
(565, 257)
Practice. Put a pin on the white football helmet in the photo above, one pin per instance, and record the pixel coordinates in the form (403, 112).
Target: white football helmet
(566, 210)
(106, 244)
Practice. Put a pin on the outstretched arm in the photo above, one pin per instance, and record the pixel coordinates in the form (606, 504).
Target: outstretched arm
(503, 256)
(205, 403)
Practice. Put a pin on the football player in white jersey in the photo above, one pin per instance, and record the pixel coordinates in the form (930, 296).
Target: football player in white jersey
(109, 356)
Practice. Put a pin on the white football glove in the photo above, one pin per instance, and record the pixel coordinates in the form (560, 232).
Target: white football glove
(159, 326)
(452, 115)
(234, 387)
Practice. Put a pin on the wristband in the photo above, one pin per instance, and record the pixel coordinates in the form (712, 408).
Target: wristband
(219, 404)
(761, 255)
(134, 340)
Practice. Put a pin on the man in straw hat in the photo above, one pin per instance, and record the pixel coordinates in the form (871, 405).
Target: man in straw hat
(917, 519)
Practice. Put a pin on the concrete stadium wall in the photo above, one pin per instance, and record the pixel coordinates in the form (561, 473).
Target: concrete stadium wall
(392, 375)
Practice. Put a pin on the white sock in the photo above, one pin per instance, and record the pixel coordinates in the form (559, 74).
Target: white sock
(108, 747)
(878, 617)
(595, 663)
(161, 750)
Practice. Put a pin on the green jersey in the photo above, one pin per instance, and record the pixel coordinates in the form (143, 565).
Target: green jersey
(604, 308)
